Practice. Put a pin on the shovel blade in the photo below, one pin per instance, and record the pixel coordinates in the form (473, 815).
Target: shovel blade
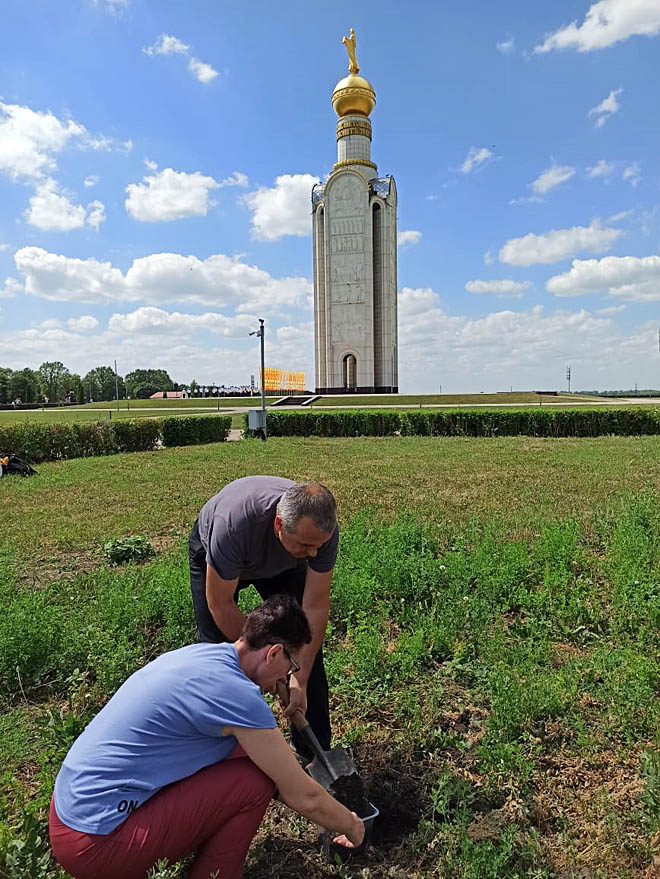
(340, 762)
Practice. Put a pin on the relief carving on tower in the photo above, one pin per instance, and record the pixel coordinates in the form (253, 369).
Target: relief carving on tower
(348, 325)
(353, 226)
(347, 197)
(348, 239)
(346, 243)
(347, 282)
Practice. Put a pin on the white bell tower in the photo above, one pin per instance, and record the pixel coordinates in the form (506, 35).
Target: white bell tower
(355, 280)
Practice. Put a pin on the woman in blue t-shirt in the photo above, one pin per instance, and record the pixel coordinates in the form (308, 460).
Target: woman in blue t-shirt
(185, 758)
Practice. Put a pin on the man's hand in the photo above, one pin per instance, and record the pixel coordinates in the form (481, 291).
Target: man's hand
(297, 697)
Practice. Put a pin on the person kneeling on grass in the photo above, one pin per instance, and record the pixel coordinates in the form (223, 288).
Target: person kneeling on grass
(185, 758)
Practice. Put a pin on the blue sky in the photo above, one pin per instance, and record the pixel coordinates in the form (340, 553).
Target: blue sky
(156, 160)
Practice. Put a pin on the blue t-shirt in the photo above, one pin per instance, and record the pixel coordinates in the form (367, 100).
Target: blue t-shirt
(163, 724)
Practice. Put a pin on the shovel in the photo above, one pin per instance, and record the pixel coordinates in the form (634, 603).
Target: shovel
(327, 766)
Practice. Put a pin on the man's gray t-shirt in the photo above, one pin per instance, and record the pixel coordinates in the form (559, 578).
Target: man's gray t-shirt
(236, 530)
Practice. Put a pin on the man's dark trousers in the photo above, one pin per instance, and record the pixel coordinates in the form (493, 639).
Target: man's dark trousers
(290, 582)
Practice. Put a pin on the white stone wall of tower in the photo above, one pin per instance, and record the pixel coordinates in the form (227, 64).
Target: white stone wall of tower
(320, 288)
(349, 277)
(354, 146)
(385, 291)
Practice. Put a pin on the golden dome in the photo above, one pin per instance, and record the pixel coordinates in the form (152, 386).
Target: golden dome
(353, 94)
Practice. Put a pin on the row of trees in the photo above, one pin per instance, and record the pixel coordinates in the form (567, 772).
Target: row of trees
(52, 382)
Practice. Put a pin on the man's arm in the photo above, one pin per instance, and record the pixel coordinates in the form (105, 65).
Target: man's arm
(316, 604)
(223, 608)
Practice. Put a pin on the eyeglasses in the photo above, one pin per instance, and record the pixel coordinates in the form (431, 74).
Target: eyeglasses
(295, 668)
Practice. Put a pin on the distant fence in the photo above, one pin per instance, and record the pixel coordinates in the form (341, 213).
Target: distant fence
(513, 422)
(52, 442)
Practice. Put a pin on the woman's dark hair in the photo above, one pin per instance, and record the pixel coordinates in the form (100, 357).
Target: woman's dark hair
(279, 620)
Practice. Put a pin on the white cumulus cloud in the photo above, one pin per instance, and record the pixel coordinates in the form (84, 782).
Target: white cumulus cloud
(408, 237)
(149, 319)
(283, 209)
(91, 180)
(166, 44)
(606, 22)
(607, 107)
(95, 214)
(160, 278)
(635, 279)
(476, 158)
(552, 177)
(83, 324)
(201, 70)
(170, 195)
(30, 140)
(526, 348)
(503, 289)
(53, 211)
(237, 178)
(10, 289)
(558, 244)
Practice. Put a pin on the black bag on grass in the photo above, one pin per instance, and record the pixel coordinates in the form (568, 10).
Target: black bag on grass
(12, 465)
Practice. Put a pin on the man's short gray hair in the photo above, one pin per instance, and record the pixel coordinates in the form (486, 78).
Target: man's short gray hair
(308, 499)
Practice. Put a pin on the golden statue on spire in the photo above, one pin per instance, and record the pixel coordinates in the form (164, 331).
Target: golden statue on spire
(349, 42)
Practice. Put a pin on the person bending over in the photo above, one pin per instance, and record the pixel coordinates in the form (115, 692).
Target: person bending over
(186, 756)
(281, 537)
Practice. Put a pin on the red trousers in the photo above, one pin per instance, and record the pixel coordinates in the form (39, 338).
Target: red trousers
(215, 812)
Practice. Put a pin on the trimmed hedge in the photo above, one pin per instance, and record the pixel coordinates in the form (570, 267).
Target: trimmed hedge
(514, 422)
(53, 442)
(192, 430)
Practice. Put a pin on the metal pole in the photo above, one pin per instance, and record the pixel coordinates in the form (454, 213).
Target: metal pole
(263, 365)
(116, 387)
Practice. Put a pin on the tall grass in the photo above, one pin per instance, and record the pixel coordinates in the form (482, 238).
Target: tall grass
(558, 631)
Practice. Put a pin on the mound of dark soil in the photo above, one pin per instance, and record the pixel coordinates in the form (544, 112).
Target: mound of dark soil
(349, 790)
(400, 798)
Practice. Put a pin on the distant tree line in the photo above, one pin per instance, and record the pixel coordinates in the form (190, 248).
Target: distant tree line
(53, 382)
(649, 392)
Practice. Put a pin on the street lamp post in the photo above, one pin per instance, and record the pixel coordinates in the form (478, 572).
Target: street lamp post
(260, 417)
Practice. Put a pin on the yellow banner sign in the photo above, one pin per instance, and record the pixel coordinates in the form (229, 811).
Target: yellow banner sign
(282, 380)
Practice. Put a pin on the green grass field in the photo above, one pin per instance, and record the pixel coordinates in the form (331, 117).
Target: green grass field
(196, 403)
(385, 400)
(147, 408)
(493, 651)
(91, 413)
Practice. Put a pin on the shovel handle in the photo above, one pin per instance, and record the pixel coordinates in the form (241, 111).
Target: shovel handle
(298, 719)
(301, 723)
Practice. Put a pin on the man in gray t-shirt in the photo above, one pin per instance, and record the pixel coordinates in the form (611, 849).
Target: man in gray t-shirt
(282, 537)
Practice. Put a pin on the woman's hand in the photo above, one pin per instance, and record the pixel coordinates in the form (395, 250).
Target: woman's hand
(356, 835)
